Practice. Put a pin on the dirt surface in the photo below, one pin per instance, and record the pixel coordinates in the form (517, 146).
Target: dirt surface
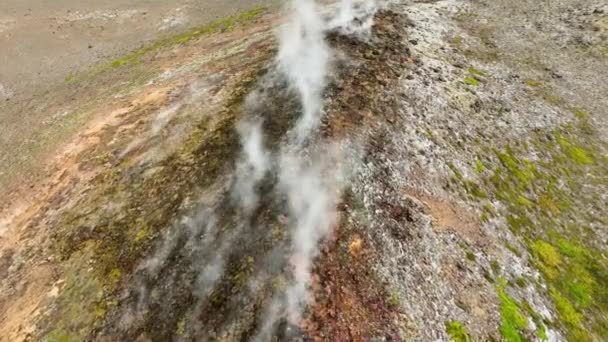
(45, 41)
(46, 45)
(473, 205)
(137, 115)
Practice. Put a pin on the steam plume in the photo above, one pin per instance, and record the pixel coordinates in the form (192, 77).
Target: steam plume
(354, 17)
(309, 177)
(312, 197)
(253, 166)
(304, 57)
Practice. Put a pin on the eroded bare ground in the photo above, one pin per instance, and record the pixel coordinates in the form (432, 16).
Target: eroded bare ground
(476, 207)
(178, 95)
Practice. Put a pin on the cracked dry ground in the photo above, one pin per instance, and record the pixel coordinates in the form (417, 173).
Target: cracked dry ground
(476, 209)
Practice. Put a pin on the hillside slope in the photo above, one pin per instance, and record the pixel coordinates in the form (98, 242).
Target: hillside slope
(410, 170)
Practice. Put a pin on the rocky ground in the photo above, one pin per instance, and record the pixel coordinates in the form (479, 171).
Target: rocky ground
(472, 203)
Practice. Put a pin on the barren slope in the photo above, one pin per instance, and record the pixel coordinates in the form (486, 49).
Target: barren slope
(464, 144)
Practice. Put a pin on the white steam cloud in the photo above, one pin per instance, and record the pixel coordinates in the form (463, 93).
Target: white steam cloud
(311, 184)
(354, 17)
(309, 170)
(312, 192)
(253, 166)
(304, 58)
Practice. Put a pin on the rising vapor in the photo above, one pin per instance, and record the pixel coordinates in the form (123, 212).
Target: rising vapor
(306, 169)
(304, 58)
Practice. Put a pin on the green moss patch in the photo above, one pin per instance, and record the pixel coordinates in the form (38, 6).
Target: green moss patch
(549, 258)
(550, 189)
(80, 304)
(512, 321)
(479, 167)
(220, 25)
(533, 83)
(215, 26)
(457, 332)
(471, 81)
(477, 72)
